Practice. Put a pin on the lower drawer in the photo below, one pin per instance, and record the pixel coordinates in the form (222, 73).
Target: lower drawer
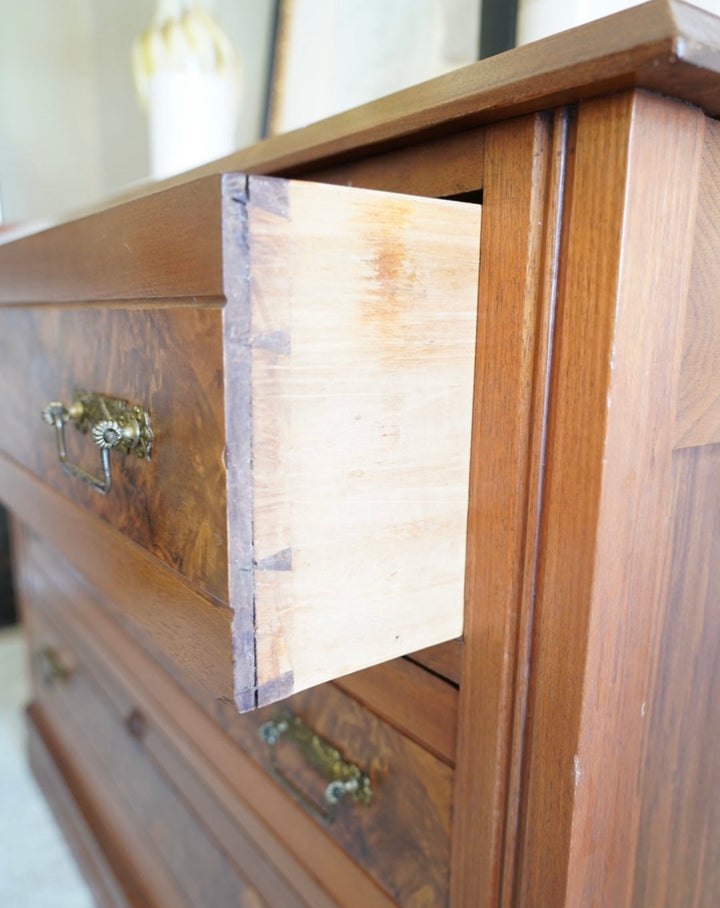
(390, 848)
(161, 849)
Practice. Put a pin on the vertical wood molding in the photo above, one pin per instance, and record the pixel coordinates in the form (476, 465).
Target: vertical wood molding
(520, 184)
(626, 257)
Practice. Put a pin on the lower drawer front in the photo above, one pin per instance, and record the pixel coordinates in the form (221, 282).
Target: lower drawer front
(165, 847)
(400, 839)
(397, 825)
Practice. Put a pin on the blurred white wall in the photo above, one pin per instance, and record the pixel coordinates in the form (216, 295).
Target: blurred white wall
(71, 130)
(540, 18)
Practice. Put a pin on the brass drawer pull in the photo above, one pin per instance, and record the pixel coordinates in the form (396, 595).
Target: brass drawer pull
(113, 425)
(51, 666)
(344, 779)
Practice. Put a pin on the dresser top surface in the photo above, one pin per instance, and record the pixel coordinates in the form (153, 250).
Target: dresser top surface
(666, 46)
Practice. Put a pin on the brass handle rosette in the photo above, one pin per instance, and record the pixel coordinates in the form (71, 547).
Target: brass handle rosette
(113, 425)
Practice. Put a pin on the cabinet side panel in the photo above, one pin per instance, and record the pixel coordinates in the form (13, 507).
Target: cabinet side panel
(698, 413)
(679, 835)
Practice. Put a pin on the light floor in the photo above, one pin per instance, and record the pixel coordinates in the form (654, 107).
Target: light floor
(37, 869)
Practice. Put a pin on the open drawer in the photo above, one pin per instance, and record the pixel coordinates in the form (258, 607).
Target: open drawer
(299, 358)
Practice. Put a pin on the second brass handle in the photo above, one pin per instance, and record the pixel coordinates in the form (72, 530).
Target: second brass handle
(344, 779)
(113, 425)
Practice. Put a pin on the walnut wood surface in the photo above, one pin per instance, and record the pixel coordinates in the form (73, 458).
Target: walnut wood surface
(166, 831)
(445, 660)
(170, 362)
(403, 838)
(422, 706)
(233, 777)
(606, 497)
(186, 633)
(143, 879)
(678, 857)
(665, 45)
(158, 247)
(698, 411)
(521, 195)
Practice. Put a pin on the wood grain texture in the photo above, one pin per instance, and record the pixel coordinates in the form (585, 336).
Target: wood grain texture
(511, 364)
(144, 880)
(678, 860)
(182, 735)
(697, 421)
(162, 246)
(291, 839)
(166, 832)
(448, 166)
(388, 841)
(187, 634)
(445, 660)
(606, 509)
(666, 46)
(361, 357)
(166, 360)
(422, 706)
(403, 838)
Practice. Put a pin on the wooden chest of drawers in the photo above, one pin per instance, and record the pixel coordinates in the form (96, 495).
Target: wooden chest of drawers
(563, 749)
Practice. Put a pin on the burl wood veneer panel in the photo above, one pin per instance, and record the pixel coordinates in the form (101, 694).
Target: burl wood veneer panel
(402, 838)
(169, 360)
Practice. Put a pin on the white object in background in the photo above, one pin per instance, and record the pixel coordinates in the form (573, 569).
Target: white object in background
(539, 18)
(192, 117)
(187, 76)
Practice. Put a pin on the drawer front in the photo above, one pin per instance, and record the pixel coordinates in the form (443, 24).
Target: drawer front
(311, 411)
(399, 827)
(401, 838)
(113, 739)
(169, 361)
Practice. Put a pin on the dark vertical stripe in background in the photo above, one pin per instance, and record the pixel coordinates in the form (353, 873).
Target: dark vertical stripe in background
(497, 26)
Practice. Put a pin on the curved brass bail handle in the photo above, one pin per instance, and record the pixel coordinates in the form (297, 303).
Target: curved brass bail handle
(114, 425)
(345, 779)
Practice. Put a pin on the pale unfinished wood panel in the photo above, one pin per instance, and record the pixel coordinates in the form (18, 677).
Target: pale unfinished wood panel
(697, 419)
(360, 382)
